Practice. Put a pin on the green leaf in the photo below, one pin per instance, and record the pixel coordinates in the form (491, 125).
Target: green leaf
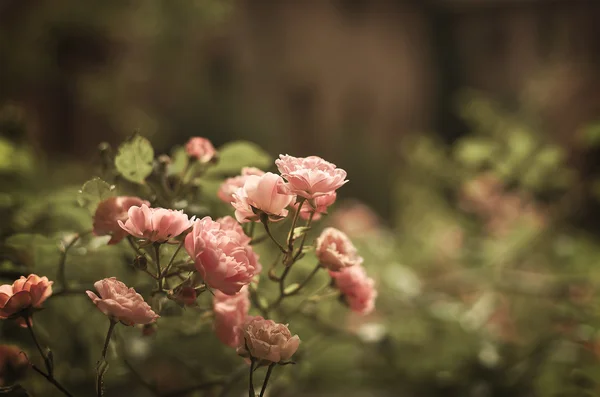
(134, 159)
(93, 192)
(291, 288)
(300, 231)
(236, 155)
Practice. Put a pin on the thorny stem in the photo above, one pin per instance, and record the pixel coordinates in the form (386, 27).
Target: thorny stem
(50, 375)
(264, 386)
(100, 380)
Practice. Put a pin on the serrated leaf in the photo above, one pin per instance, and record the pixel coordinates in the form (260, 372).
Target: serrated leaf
(134, 159)
(236, 155)
(93, 192)
(300, 231)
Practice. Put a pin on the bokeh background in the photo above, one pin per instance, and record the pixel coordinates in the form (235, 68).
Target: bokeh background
(469, 129)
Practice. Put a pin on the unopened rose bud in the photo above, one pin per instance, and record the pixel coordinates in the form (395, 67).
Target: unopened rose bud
(187, 296)
(140, 262)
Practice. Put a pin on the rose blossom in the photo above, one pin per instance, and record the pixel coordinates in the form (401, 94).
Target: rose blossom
(317, 207)
(222, 254)
(230, 185)
(201, 149)
(23, 294)
(266, 340)
(121, 303)
(230, 312)
(310, 177)
(261, 193)
(335, 251)
(155, 224)
(109, 212)
(357, 288)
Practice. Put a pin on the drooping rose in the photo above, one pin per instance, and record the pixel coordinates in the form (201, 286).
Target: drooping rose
(231, 185)
(121, 303)
(110, 212)
(23, 294)
(357, 288)
(261, 193)
(13, 364)
(310, 177)
(201, 149)
(222, 254)
(230, 312)
(155, 224)
(266, 340)
(335, 251)
(318, 206)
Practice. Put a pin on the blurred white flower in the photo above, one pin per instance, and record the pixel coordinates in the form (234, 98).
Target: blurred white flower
(371, 332)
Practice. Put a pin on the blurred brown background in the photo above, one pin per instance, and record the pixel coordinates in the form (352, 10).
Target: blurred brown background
(342, 79)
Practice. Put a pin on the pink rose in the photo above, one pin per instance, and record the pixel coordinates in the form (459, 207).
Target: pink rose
(231, 185)
(261, 193)
(335, 251)
(310, 177)
(222, 254)
(357, 288)
(155, 224)
(110, 212)
(318, 206)
(230, 312)
(266, 340)
(355, 219)
(121, 303)
(201, 149)
(23, 294)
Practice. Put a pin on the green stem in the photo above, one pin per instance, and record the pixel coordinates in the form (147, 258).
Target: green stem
(251, 381)
(303, 283)
(165, 272)
(294, 221)
(266, 225)
(264, 386)
(308, 222)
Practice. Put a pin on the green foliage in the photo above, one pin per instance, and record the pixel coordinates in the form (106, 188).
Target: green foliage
(234, 156)
(93, 192)
(135, 158)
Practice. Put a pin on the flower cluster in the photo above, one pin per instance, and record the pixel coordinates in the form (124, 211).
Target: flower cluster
(215, 255)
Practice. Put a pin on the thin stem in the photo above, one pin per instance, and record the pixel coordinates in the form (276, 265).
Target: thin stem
(37, 344)
(290, 239)
(165, 272)
(308, 222)
(50, 375)
(102, 370)
(264, 386)
(303, 283)
(159, 274)
(108, 335)
(281, 247)
(61, 277)
(251, 381)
